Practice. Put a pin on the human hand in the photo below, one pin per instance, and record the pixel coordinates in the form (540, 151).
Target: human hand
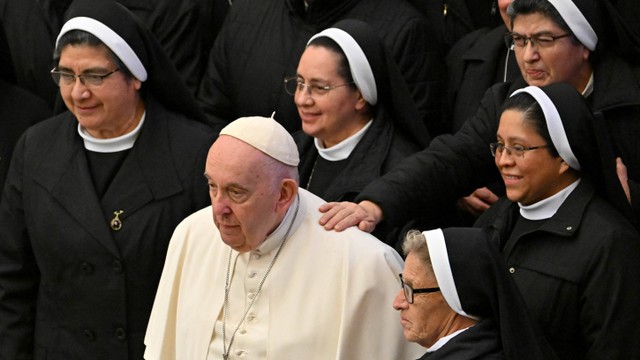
(621, 170)
(341, 215)
(478, 202)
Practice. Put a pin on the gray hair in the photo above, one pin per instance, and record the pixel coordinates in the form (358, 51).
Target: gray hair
(415, 242)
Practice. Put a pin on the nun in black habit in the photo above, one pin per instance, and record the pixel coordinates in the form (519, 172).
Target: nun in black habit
(362, 124)
(94, 194)
(574, 257)
(471, 308)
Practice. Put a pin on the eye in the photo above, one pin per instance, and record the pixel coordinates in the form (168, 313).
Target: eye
(518, 149)
(518, 40)
(320, 89)
(544, 39)
(93, 78)
(67, 77)
(237, 195)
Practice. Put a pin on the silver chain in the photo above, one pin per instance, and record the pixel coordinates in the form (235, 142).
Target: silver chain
(225, 349)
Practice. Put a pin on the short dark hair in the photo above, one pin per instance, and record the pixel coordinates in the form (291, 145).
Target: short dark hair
(544, 7)
(344, 69)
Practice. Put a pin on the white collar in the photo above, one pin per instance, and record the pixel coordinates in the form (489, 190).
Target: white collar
(589, 88)
(443, 340)
(546, 208)
(343, 149)
(116, 144)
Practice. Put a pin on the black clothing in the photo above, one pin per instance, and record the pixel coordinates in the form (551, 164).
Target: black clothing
(262, 40)
(72, 287)
(474, 64)
(578, 274)
(32, 28)
(19, 109)
(480, 342)
(454, 165)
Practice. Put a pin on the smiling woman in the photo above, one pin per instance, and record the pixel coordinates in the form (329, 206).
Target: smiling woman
(95, 192)
(572, 255)
(358, 119)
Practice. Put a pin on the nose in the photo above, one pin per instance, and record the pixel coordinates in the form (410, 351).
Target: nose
(303, 97)
(504, 158)
(399, 302)
(530, 52)
(79, 90)
(219, 204)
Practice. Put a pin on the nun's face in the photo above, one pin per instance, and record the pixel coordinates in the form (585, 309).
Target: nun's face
(108, 110)
(534, 176)
(563, 61)
(333, 115)
(429, 317)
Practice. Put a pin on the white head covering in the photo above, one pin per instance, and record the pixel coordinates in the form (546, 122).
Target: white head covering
(442, 270)
(358, 63)
(111, 39)
(576, 21)
(554, 124)
(266, 135)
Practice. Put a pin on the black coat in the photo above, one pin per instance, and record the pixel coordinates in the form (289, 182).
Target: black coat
(474, 64)
(19, 109)
(480, 342)
(262, 40)
(32, 27)
(578, 274)
(73, 288)
(379, 151)
(454, 165)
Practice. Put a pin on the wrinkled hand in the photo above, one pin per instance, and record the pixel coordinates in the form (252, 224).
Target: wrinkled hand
(478, 202)
(341, 215)
(621, 170)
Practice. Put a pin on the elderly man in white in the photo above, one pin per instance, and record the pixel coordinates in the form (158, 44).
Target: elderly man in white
(264, 280)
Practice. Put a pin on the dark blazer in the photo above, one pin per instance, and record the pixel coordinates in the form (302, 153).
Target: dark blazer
(474, 64)
(480, 342)
(578, 274)
(72, 287)
(19, 109)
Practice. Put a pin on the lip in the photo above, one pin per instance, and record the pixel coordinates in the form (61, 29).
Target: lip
(510, 180)
(308, 116)
(85, 109)
(535, 73)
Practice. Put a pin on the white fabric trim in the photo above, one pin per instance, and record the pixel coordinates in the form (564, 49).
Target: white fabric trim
(589, 88)
(120, 143)
(546, 208)
(445, 339)
(442, 270)
(554, 124)
(358, 63)
(343, 149)
(577, 22)
(111, 39)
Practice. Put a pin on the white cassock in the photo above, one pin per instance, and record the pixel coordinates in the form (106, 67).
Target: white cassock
(328, 295)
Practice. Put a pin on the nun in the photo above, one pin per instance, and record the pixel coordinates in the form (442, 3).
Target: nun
(93, 194)
(459, 302)
(575, 259)
(358, 118)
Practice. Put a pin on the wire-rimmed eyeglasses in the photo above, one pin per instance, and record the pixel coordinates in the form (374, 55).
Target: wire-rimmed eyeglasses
(294, 84)
(518, 150)
(67, 78)
(410, 291)
(538, 40)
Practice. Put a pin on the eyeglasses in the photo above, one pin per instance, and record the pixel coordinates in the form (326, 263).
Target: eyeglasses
(294, 84)
(518, 150)
(409, 291)
(67, 78)
(539, 40)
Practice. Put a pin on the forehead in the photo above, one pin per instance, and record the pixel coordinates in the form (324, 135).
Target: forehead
(513, 124)
(233, 159)
(318, 60)
(416, 273)
(86, 54)
(534, 23)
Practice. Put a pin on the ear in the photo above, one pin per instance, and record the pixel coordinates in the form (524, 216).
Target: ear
(564, 167)
(360, 101)
(288, 192)
(137, 84)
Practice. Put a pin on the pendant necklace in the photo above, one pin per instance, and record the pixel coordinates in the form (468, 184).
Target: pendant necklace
(225, 349)
(313, 170)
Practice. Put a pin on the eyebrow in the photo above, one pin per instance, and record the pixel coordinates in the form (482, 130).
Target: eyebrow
(91, 70)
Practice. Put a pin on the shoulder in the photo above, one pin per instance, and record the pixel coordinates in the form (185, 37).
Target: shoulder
(196, 233)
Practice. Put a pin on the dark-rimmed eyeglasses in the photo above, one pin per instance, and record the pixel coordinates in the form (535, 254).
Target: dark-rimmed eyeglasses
(409, 291)
(517, 150)
(67, 78)
(294, 84)
(539, 40)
